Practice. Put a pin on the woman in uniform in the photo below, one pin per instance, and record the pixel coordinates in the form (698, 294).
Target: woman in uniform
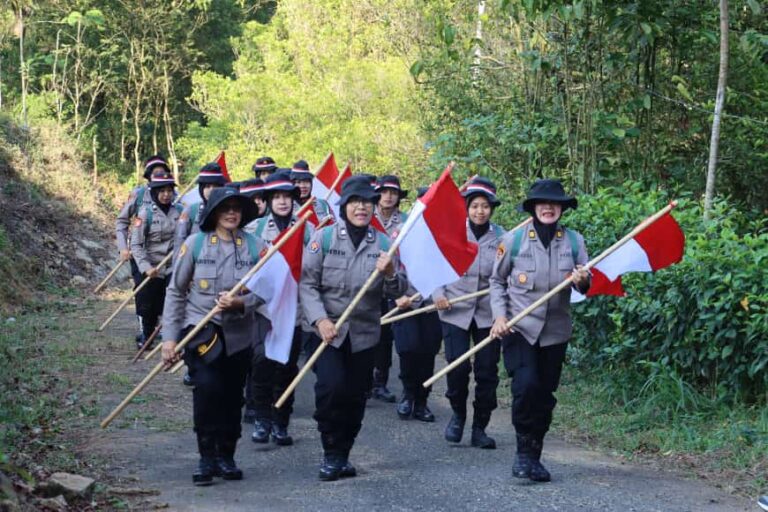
(529, 263)
(337, 262)
(472, 319)
(152, 238)
(211, 263)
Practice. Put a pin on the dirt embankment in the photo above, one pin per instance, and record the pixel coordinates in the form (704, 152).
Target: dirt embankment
(55, 222)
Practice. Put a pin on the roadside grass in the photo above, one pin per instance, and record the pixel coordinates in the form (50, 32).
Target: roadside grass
(664, 420)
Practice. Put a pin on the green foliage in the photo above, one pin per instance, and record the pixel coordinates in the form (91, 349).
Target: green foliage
(702, 321)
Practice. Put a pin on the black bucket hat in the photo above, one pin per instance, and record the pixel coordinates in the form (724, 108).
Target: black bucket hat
(393, 182)
(233, 185)
(264, 164)
(358, 186)
(280, 181)
(300, 171)
(253, 187)
(211, 173)
(548, 191)
(483, 187)
(221, 194)
(206, 343)
(152, 162)
(161, 180)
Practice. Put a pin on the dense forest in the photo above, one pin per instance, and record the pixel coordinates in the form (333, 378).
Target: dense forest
(615, 98)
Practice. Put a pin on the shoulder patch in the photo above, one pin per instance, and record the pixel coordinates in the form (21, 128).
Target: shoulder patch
(183, 249)
(137, 222)
(184, 216)
(314, 247)
(500, 251)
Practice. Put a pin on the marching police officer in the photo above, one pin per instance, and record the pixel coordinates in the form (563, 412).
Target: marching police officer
(472, 318)
(391, 218)
(139, 197)
(152, 238)
(302, 178)
(210, 263)
(417, 341)
(529, 263)
(263, 167)
(209, 178)
(337, 262)
(269, 379)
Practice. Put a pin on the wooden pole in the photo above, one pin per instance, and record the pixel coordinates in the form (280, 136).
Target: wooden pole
(415, 296)
(134, 293)
(178, 366)
(213, 312)
(111, 274)
(154, 351)
(343, 318)
(147, 343)
(554, 291)
(432, 307)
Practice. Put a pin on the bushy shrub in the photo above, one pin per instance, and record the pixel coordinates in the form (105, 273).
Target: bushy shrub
(704, 319)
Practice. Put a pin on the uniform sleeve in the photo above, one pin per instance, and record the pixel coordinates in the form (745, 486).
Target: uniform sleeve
(397, 286)
(311, 276)
(176, 293)
(183, 227)
(138, 249)
(582, 259)
(123, 222)
(252, 301)
(439, 292)
(502, 267)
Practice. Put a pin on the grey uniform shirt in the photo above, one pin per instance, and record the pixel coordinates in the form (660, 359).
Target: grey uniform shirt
(518, 282)
(321, 206)
(330, 281)
(195, 285)
(151, 243)
(393, 223)
(128, 212)
(476, 278)
(188, 224)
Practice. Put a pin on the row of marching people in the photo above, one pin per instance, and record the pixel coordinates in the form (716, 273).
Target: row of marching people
(217, 242)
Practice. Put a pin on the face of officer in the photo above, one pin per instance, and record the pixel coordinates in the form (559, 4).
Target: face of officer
(208, 188)
(261, 204)
(389, 198)
(229, 214)
(548, 213)
(479, 210)
(305, 187)
(165, 195)
(281, 203)
(359, 211)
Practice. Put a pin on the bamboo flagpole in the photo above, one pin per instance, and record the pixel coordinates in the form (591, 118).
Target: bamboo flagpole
(388, 318)
(153, 352)
(554, 291)
(343, 318)
(111, 274)
(135, 292)
(432, 307)
(388, 314)
(147, 343)
(191, 334)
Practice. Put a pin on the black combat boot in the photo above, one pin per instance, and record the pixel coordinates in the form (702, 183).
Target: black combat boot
(380, 391)
(206, 468)
(479, 438)
(225, 462)
(261, 431)
(405, 407)
(188, 379)
(421, 412)
(249, 416)
(522, 465)
(538, 472)
(455, 428)
(280, 435)
(347, 469)
(331, 467)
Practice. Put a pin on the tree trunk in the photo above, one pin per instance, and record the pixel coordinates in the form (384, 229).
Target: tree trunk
(95, 160)
(22, 68)
(719, 101)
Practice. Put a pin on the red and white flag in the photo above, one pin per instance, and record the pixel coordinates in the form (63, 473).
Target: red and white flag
(433, 241)
(277, 282)
(193, 196)
(325, 178)
(658, 246)
(222, 161)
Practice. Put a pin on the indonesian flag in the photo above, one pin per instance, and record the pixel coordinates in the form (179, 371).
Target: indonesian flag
(313, 219)
(433, 241)
(658, 246)
(222, 161)
(277, 282)
(324, 180)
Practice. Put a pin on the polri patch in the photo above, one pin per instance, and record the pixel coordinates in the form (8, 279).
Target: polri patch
(500, 251)
(522, 278)
(314, 247)
(183, 249)
(137, 222)
(204, 284)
